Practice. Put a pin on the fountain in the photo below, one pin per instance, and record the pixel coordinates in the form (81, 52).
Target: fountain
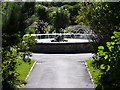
(62, 43)
(59, 38)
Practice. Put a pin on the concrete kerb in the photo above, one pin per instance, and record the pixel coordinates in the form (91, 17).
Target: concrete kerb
(94, 85)
(30, 70)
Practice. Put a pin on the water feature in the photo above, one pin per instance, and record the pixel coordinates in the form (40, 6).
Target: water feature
(59, 38)
(62, 43)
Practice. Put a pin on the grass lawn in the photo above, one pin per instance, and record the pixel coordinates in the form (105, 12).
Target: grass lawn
(24, 68)
(94, 72)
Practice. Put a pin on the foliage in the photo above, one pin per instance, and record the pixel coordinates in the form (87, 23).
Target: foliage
(108, 63)
(31, 29)
(73, 10)
(103, 18)
(57, 4)
(60, 19)
(11, 60)
(9, 74)
(40, 26)
(42, 12)
(16, 17)
(28, 41)
(50, 29)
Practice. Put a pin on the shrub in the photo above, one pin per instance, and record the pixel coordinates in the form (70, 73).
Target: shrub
(108, 61)
(60, 19)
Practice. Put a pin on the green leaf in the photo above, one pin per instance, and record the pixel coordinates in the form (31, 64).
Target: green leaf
(106, 57)
(108, 44)
(108, 68)
(112, 37)
(101, 47)
(102, 66)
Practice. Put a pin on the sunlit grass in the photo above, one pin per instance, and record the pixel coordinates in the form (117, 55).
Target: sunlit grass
(94, 72)
(24, 68)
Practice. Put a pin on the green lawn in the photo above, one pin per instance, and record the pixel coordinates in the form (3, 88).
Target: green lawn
(94, 72)
(24, 68)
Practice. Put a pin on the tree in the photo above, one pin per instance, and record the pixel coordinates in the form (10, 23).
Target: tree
(60, 19)
(103, 19)
(73, 10)
(42, 12)
(16, 18)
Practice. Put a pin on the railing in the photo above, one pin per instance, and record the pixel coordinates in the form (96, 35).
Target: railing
(65, 35)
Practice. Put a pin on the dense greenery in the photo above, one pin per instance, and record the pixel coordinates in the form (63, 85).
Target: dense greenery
(40, 26)
(9, 65)
(108, 63)
(73, 10)
(41, 12)
(16, 18)
(60, 19)
(56, 14)
(11, 60)
(103, 19)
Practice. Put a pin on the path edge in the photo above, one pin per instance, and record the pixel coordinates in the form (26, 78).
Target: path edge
(30, 71)
(94, 85)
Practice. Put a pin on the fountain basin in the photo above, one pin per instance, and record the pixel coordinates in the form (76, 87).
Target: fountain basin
(71, 46)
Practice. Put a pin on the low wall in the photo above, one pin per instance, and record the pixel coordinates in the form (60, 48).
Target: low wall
(66, 47)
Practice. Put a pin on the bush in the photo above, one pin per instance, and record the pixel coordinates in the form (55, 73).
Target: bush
(103, 19)
(50, 29)
(41, 12)
(60, 19)
(109, 63)
(11, 57)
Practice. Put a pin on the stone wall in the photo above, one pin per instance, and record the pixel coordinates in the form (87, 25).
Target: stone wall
(62, 48)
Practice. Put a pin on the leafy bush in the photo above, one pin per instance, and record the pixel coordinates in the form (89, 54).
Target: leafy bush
(50, 29)
(103, 19)
(73, 10)
(9, 74)
(11, 59)
(109, 63)
(40, 26)
(60, 19)
(41, 12)
(16, 17)
(28, 41)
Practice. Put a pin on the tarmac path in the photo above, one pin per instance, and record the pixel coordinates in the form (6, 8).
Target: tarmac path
(60, 71)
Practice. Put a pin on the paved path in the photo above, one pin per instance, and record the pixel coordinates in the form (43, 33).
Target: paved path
(59, 71)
